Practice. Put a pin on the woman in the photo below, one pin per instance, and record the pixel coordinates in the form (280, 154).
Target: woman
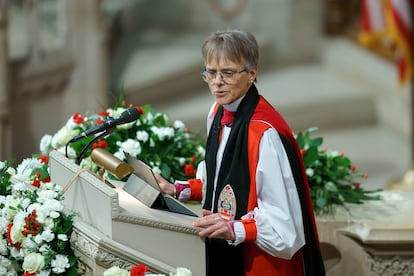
(257, 212)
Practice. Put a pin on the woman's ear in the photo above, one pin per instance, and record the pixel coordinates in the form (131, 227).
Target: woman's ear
(252, 74)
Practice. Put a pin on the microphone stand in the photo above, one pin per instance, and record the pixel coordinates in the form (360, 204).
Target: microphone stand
(85, 148)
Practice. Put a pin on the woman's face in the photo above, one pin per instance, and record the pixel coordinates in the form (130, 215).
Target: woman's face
(225, 88)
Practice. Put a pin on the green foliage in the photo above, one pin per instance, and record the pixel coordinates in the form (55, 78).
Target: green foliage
(5, 187)
(170, 149)
(332, 177)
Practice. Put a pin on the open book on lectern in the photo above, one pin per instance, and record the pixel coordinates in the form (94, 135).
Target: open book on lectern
(143, 185)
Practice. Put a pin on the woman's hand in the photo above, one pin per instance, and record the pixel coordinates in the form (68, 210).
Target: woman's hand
(215, 226)
(166, 187)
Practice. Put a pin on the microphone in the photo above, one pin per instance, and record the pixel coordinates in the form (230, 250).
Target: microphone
(129, 115)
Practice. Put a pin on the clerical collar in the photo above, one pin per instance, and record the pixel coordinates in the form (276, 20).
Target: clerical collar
(234, 105)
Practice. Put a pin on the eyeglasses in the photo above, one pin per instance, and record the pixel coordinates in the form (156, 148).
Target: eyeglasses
(226, 76)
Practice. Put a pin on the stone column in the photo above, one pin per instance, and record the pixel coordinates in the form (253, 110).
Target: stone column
(5, 132)
(87, 91)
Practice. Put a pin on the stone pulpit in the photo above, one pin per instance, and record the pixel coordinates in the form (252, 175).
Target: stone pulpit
(112, 227)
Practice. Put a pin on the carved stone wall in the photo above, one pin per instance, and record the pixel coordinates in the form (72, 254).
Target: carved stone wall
(391, 265)
(376, 238)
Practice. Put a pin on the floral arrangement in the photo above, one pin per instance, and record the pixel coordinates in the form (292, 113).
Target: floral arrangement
(174, 152)
(332, 177)
(35, 232)
(170, 149)
(142, 270)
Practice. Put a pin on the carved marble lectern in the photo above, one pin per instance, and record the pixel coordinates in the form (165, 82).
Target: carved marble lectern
(114, 228)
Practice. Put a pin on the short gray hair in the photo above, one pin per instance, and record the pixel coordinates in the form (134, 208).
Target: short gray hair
(236, 45)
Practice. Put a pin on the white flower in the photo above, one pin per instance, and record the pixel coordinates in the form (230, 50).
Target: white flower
(115, 112)
(63, 136)
(12, 206)
(130, 146)
(142, 136)
(45, 195)
(33, 262)
(43, 273)
(44, 248)
(49, 223)
(116, 271)
(179, 125)
(165, 116)
(120, 155)
(163, 133)
(148, 119)
(309, 172)
(29, 244)
(201, 150)
(88, 164)
(181, 161)
(25, 169)
(20, 186)
(11, 171)
(182, 271)
(4, 262)
(16, 253)
(16, 234)
(3, 247)
(332, 153)
(60, 264)
(62, 237)
(45, 144)
(51, 186)
(71, 152)
(47, 235)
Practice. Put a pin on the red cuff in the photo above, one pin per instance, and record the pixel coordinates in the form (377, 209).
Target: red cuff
(196, 187)
(250, 229)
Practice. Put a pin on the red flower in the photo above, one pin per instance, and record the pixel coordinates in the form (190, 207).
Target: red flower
(140, 110)
(100, 144)
(99, 121)
(193, 159)
(77, 118)
(103, 113)
(43, 159)
(32, 226)
(139, 270)
(29, 274)
(302, 152)
(366, 175)
(189, 170)
(36, 180)
(357, 185)
(352, 168)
